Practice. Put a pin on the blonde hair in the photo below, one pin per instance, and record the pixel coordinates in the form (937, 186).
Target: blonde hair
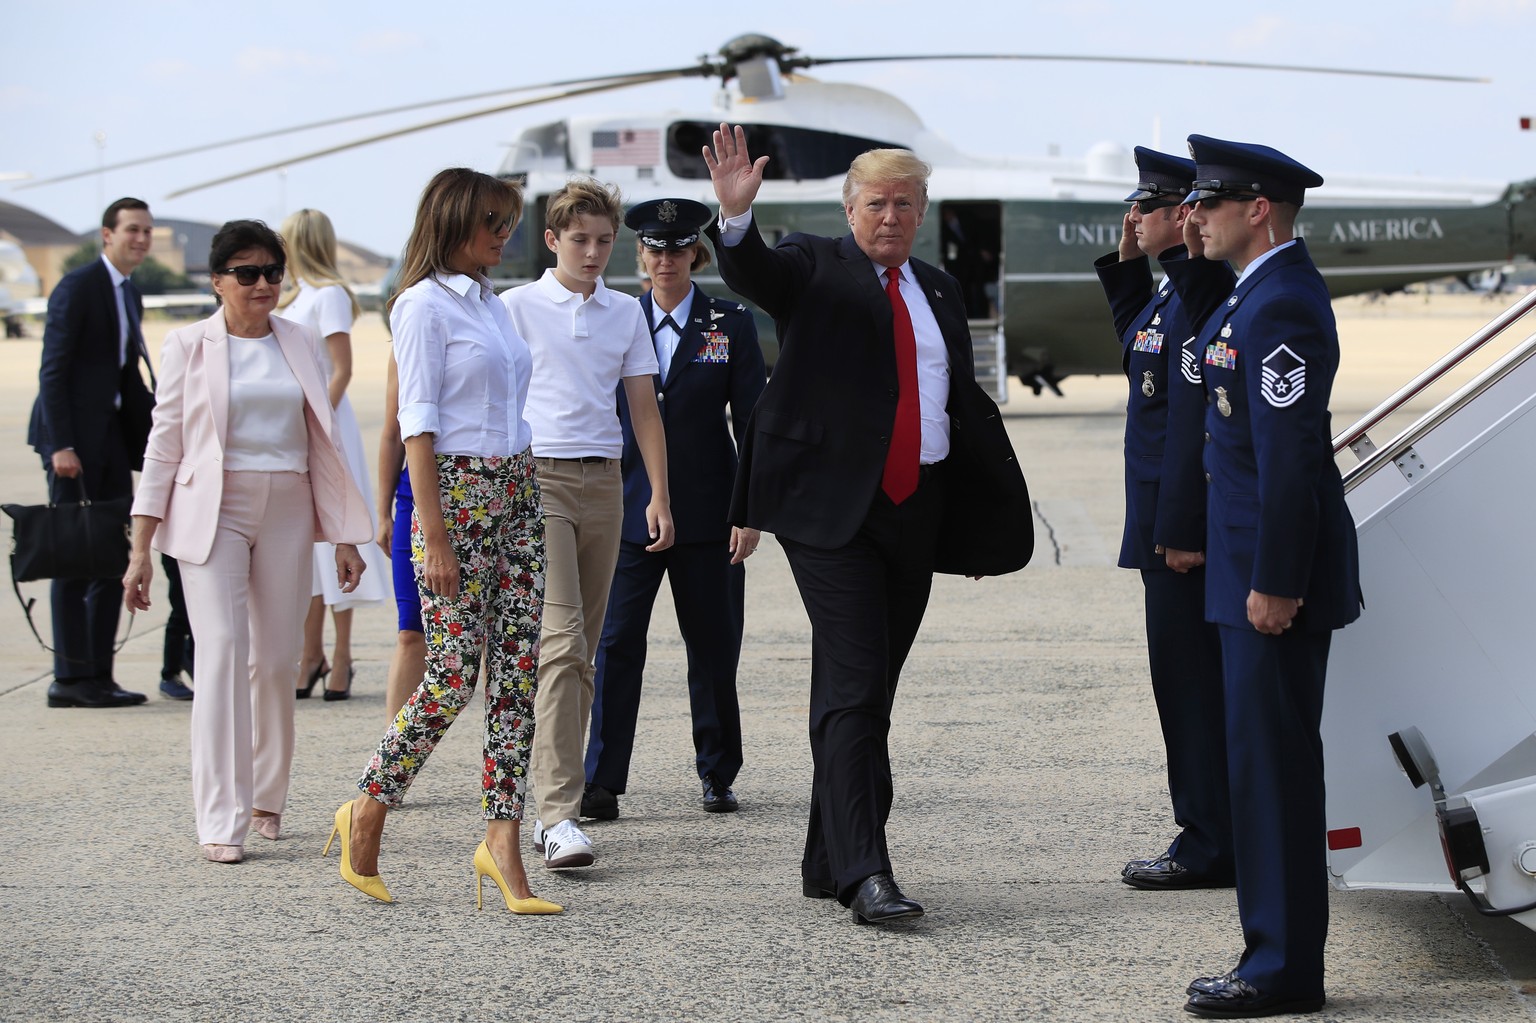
(880, 166)
(454, 203)
(583, 197)
(311, 243)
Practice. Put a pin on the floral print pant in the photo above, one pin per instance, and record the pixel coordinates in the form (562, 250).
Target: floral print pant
(495, 523)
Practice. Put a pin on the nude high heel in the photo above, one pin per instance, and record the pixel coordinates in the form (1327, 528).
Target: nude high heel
(485, 867)
(372, 885)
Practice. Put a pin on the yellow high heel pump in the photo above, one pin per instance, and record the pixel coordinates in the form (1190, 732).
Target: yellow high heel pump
(485, 867)
(372, 885)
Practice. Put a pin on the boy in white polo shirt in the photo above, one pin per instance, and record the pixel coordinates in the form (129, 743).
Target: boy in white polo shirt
(585, 341)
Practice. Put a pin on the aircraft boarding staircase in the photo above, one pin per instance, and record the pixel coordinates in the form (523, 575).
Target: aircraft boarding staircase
(1437, 680)
(991, 357)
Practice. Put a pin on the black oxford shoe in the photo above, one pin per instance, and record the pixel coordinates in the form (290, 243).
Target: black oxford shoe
(878, 901)
(816, 888)
(599, 804)
(91, 692)
(718, 797)
(1163, 874)
(1232, 997)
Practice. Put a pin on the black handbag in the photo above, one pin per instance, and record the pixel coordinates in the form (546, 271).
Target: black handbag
(81, 539)
(69, 539)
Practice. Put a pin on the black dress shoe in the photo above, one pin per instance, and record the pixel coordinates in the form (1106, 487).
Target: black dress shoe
(1163, 874)
(1232, 997)
(878, 900)
(90, 692)
(718, 797)
(815, 888)
(599, 804)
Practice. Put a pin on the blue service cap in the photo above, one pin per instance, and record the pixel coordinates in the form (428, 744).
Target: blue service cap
(1161, 175)
(1245, 168)
(667, 223)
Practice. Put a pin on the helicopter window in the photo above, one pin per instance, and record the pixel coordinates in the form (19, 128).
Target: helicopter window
(797, 153)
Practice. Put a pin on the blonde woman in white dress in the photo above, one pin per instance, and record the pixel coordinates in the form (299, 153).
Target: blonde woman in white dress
(321, 299)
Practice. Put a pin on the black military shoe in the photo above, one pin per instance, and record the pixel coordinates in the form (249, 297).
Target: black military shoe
(1163, 874)
(599, 804)
(91, 692)
(718, 797)
(1232, 997)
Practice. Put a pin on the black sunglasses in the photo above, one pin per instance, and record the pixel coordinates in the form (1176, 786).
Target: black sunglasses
(496, 223)
(1157, 202)
(248, 273)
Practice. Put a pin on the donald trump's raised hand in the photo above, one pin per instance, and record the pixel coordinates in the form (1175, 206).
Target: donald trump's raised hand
(735, 175)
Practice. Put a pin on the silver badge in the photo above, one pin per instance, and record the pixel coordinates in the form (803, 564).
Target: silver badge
(1157, 319)
(715, 314)
(1226, 330)
(1232, 301)
(667, 211)
(1222, 404)
(1147, 387)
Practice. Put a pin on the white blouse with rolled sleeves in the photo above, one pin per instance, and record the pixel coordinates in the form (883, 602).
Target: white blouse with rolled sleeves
(463, 367)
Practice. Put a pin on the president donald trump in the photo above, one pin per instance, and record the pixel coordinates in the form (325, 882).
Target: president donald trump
(877, 460)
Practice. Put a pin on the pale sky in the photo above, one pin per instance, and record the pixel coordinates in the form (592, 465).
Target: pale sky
(155, 75)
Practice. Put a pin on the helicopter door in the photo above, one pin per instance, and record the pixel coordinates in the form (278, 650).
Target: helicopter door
(971, 247)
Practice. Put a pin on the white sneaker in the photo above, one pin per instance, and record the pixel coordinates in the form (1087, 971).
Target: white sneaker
(563, 845)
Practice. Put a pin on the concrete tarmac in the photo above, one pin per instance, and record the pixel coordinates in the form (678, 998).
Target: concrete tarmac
(1028, 768)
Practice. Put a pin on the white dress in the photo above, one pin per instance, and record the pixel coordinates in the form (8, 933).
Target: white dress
(329, 311)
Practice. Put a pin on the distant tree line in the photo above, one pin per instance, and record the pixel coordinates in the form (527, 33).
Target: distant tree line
(151, 278)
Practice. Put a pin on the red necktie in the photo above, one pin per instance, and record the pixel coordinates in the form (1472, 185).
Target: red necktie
(900, 478)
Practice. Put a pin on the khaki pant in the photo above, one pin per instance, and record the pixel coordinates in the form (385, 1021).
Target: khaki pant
(583, 516)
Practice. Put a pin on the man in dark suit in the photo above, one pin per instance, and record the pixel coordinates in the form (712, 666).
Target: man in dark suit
(1282, 567)
(710, 364)
(89, 425)
(877, 460)
(1165, 521)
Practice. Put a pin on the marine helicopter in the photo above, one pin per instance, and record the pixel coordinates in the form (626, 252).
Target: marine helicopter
(1019, 233)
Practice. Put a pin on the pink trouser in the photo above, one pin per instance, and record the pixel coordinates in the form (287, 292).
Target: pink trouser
(247, 605)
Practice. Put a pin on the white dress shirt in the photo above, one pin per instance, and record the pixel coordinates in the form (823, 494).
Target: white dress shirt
(666, 338)
(464, 368)
(932, 355)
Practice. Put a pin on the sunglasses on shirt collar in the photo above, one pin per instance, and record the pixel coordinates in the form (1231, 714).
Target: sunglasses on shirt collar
(246, 275)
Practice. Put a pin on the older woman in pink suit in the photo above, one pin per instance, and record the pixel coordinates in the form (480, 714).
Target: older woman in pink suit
(242, 476)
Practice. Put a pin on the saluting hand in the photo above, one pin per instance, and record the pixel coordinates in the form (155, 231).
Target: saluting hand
(735, 175)
(1128, 247)
(1192, 240)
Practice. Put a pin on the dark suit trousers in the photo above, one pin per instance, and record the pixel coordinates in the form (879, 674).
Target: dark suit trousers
(865, 601)
(178, 649)
(1274, 691)
(707, 591)
(1184, 656)
(85, 611)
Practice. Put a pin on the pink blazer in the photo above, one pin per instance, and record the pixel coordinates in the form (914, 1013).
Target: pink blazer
(183, 480)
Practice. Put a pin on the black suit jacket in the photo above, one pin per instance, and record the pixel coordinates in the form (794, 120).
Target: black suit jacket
(84, 396)
(815, 449)
(717, 366)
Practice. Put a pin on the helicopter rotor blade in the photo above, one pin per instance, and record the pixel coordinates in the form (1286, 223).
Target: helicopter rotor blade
(631, 78)
(806, 62)
(639, 79)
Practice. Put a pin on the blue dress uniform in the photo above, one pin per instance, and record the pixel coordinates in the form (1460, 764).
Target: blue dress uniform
(1277, 524)
(1183, 650)
(717, 366)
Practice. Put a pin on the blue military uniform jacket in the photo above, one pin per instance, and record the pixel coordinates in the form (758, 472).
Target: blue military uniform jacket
(1163, 505)
(718, 365)
(1277, 521)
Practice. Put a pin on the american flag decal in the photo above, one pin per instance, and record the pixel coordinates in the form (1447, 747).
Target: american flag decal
(627, 147)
